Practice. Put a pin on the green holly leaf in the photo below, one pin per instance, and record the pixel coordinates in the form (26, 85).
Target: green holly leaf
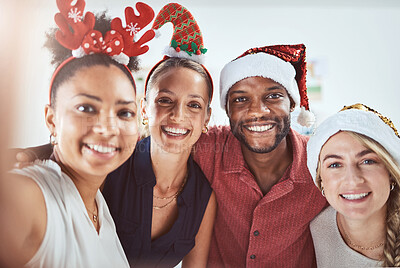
(189, 52)
(194, 47)
(203, 50)
(174, 44)
(184, 47)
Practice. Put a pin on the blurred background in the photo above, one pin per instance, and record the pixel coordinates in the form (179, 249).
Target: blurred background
(352, 50)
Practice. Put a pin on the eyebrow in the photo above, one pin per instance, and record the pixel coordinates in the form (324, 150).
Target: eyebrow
(119, 102)
(334, 156)
(360, 154)
(173, 93)
(88, 96)
(122, 102)
(197, 97)
(364, 152)
(267, 89)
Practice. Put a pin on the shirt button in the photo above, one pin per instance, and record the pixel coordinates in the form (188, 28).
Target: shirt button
(252, 257)
(256, 233)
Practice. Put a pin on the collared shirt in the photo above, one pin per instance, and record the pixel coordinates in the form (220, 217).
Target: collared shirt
(129, 195)
(252, 229)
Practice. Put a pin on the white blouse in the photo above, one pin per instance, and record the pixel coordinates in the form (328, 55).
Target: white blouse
(70, 239)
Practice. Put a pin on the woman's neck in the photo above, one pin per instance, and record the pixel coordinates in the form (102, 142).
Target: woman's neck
(169, 168)
(86, 184)
(365, 236)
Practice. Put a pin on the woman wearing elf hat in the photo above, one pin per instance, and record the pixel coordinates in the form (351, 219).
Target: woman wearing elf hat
(53, 214)
(161, 202)
(160, 199)
(354, 159)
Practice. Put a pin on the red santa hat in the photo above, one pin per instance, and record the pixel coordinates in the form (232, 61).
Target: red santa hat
(285, 64)
(187, 40)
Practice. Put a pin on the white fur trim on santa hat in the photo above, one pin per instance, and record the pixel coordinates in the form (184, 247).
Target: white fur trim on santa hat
(171, 52)
(363, 122)
(263, 65)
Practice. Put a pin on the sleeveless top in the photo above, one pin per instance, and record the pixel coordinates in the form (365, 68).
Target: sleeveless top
(129, 194)
(70, 238)
(330, 248)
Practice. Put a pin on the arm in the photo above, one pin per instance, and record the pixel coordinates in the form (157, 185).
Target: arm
(198, 256)
(30, 154)
(23, 220)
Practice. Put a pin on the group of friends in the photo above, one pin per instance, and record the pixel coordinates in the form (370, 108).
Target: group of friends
(252, 194)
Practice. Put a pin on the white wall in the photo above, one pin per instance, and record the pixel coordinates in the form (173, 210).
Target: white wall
(359, 46)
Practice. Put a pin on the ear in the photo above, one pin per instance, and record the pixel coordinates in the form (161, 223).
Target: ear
(143, 106)
(50, 118)
(208, 116)
(292, 104)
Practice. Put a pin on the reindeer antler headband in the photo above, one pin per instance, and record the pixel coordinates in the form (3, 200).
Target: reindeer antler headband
(76, 32)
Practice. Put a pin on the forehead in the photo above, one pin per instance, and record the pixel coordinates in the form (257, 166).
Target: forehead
(99, 80)
(342, 142)
(256, 84)
(179, 80)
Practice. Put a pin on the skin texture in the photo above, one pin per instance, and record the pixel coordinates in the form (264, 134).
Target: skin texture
(259, 112)
(349, 168)
(177, 111)
(259, 102)
(95, 106)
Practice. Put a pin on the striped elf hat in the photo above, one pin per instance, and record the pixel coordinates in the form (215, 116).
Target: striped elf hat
(187, 40)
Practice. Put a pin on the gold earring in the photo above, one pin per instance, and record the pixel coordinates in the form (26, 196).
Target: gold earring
(205, 129)
(145, 121)
(53, 140)
(392, 185)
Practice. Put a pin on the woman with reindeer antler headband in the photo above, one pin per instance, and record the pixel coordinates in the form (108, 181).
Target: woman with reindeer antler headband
(53, 214)
(162, 203)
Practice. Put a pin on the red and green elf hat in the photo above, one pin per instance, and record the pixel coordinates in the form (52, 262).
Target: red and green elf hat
(187, 40)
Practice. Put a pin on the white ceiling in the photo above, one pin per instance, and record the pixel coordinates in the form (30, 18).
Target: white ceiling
(244, 3)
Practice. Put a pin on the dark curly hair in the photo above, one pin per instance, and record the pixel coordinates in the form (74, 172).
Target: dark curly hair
(60, 54)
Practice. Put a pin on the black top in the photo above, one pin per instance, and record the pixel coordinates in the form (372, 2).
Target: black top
(129, 195)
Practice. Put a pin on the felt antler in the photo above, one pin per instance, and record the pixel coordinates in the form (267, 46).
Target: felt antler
(134, 24)
(72, 28)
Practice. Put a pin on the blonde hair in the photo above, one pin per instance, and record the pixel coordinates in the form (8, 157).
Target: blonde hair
(391, 250)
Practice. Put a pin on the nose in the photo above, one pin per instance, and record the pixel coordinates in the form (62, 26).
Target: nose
(106, 125)
(257, 108)
(178, 112)
(354, 175)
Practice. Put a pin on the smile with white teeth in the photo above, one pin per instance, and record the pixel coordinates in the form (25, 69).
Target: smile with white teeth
(259, 128)
(101, 149)
(175, 131)
(354, 196)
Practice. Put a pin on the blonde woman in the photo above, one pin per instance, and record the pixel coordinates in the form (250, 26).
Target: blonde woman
(354, 159)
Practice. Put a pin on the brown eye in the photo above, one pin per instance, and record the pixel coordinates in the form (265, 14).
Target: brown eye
(194, 105)
(86, 108)
(126, 114)
(240, 99)
(164, 100)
